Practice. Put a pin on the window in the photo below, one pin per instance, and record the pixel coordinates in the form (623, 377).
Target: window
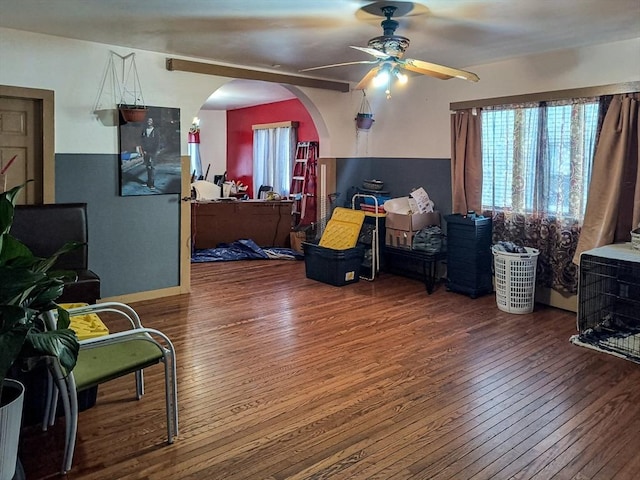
(537, 158)
(273, 155)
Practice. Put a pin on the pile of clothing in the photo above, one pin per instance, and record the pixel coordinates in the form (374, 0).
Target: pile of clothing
(509, 247)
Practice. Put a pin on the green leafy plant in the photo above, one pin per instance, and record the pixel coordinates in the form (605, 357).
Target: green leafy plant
(28, 289)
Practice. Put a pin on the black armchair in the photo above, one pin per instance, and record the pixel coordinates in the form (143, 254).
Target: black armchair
(46, 228)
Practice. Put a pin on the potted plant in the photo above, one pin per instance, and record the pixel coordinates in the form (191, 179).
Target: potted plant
(132, 107)
(122, 80)
(28, 289)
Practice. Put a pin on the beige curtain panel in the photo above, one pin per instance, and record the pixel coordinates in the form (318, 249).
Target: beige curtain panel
(613, 205)
(466, 160)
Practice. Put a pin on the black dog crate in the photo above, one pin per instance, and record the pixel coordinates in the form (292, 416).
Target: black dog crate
(609, 300)
(469, 257)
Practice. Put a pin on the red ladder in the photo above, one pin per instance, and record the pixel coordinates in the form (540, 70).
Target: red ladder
(303, 184)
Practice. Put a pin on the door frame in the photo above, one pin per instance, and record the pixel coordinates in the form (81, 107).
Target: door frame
(44, 100)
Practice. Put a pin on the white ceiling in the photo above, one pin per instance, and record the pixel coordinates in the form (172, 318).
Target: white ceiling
(246, 93)
(289, 35)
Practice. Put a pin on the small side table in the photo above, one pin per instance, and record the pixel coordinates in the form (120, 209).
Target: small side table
(400, 261)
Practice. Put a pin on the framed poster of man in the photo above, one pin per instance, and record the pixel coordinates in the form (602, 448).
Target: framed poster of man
(150, 153)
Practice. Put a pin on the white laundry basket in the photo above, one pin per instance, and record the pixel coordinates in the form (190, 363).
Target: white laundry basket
(515, 279)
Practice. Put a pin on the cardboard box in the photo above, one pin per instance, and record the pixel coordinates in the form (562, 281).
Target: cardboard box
(400, 228)
(412, 223)
(296, 239)
(399, 238)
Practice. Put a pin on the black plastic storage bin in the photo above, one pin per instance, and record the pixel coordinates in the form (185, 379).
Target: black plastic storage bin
(335, 267)
(469, 257)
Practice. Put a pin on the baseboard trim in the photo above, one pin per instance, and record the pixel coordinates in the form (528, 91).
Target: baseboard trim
(149, 295)
(553, 298)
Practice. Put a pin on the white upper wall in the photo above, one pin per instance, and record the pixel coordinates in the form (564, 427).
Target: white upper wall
(413, 123)
(416, 122)
(213, 142)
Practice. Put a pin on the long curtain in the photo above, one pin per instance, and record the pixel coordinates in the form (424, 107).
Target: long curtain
(466, 160)
(613, 209)
(273, 157)
(537, 168)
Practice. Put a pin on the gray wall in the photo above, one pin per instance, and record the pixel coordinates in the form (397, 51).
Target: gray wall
(400, 177)
(133, 241)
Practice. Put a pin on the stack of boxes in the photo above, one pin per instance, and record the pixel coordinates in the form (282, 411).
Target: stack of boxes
(401, 228)
(406, 216)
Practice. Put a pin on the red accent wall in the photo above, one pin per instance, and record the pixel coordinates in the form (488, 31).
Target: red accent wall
(240, 134)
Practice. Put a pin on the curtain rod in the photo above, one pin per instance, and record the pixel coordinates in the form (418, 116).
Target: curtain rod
(612, 89)
(285, 124)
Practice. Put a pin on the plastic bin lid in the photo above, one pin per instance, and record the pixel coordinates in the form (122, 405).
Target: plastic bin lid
(340, 235)
(342, 229)
(348, 215)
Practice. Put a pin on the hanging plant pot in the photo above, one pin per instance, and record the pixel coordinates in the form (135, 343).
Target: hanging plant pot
(133, 113)
(107, 116)
(364, 121)
(122, 80)
(364, 117)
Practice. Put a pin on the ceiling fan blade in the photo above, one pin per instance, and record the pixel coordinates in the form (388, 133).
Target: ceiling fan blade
(438, 71)
(372, 51)
(362, 84)
(339, 65)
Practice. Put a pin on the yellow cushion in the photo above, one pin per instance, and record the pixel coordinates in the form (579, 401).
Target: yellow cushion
(86, 326)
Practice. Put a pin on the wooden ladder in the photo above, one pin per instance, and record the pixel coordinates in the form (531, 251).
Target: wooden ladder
(303, 184)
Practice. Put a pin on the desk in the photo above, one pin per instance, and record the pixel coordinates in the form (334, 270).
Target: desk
(266, 222)
(403, 262)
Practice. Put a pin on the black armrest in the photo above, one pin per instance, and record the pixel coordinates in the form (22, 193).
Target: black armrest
(86, 289)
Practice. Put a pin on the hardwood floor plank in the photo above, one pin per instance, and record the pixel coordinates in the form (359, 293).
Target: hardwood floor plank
(501, 430)
(625, 443)
(281, 377)
(593, 457)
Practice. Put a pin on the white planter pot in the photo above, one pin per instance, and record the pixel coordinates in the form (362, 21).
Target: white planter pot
(10, 420)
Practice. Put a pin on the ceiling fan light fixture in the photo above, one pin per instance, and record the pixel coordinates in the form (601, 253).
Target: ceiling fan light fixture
(382, 78)
(402, 78)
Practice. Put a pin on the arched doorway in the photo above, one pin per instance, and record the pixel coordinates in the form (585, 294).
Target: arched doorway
(247, 95)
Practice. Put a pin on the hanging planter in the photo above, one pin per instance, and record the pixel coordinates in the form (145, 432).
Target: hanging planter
(364, 117)
(122, 83)
(132, 113)
(364, 121)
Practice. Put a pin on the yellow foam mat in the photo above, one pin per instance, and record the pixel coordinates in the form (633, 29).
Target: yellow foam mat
(343, 229)
(86, 326)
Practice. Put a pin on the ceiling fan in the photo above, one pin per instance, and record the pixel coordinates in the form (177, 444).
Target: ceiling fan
(388, 50)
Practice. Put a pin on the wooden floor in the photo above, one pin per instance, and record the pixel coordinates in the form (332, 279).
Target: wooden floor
(281, 377)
